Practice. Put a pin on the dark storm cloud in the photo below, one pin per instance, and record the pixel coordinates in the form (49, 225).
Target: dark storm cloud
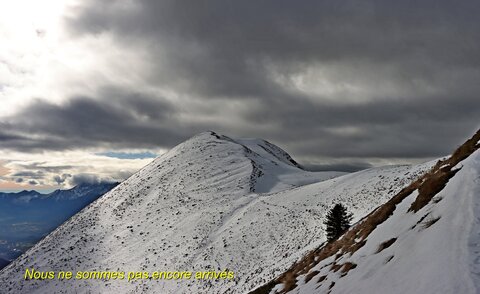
(227, 49)
(222, 47)
(116, 119)
(61, 179)
(29, 174)
(44, 167)
(417, 65)
(388, 128)
(86, 178)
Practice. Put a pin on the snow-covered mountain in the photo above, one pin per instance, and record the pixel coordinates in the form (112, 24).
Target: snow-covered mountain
(79, 191)
(425, 239)
(20, 197)
(84, 190)
(210, 203)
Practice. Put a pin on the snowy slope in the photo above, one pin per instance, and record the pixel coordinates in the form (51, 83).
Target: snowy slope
(426, 239)
(210, 203)
(277, 169)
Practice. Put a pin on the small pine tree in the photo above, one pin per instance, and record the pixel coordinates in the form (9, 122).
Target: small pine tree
(337, 221)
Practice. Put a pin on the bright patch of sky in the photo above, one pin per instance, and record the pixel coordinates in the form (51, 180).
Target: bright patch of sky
(126, 155)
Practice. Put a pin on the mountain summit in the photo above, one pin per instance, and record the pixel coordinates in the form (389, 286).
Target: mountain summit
(210, 203)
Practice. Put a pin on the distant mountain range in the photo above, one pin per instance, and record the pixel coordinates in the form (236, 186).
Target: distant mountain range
(28, 216)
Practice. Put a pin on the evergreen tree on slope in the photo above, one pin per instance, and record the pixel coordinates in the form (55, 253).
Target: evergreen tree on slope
(337, 221)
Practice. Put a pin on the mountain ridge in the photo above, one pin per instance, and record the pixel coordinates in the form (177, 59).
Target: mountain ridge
(58, 193)
(206, 204)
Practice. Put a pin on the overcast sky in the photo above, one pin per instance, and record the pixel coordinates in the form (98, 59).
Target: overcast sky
(93, 89)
